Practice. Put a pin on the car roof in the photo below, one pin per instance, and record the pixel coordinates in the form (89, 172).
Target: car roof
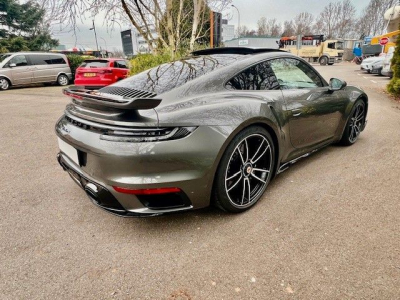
(105, 58)
(235, 50)
(37, 52)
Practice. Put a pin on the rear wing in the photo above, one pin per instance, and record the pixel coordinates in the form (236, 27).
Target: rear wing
(107, 100)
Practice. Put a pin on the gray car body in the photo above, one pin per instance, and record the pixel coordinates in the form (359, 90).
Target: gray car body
(299, 121)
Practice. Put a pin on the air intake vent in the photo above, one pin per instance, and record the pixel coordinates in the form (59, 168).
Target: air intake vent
(126, 92)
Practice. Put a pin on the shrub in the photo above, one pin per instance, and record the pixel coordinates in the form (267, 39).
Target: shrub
(394, 84)
(144, 62)
(75, 61)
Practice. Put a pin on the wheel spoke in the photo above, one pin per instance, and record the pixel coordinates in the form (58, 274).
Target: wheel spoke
(257, 150)
(248, 185)
(261, 170)
(258, 178)
(241, 156)
(261, 155)
(247, 150)
(244, 190)
(233, 176)
(235, 184)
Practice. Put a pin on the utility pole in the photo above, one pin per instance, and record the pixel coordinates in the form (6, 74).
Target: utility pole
(95, 35)
(238, 23)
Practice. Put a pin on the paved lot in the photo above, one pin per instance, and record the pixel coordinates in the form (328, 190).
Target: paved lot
(328, 228)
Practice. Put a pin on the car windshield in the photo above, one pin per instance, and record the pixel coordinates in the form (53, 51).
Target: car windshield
(94, 64)
(3, 57)
(168, 76)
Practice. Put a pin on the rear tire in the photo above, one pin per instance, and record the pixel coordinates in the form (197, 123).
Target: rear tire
(245, 170)
(62, 80)
(4, 84)
(355, 124)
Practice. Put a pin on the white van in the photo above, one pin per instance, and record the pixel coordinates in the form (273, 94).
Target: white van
(24, 68)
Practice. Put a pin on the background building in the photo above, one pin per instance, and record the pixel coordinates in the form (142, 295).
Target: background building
(134, 43)
(254, 42)
(228, 31)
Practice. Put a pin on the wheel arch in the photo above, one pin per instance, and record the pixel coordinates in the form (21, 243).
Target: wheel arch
(7, 78)
(268, 125)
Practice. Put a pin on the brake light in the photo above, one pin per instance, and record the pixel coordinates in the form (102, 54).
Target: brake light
(72, 95)
(147, 191)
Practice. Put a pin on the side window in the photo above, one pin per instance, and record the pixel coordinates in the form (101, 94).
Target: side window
(122, 64)
(295, 74)
(258, 77)
(19, 61)
(38, 60)
(58, 60)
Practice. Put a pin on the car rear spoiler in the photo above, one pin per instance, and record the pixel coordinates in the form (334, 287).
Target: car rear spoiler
(99, 99)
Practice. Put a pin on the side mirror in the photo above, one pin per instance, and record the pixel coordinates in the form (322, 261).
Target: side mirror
(336, 84)
(12, 65)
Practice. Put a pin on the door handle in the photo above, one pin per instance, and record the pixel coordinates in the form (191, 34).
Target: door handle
(296, 112)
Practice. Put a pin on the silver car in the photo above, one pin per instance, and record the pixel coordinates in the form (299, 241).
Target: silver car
(25, 68)
(213, 128)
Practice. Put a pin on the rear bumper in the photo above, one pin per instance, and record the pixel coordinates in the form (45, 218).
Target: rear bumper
(100, 195)
(188, 164)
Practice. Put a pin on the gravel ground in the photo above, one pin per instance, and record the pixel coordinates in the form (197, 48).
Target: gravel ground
(328, 228)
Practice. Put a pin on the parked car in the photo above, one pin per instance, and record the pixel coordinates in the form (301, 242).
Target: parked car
(369, 63)
(215, 127)
(377, 67)
(387, 70)
(98, 73)
(24, 68)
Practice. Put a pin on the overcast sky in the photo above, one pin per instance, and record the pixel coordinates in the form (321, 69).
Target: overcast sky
(250, 12)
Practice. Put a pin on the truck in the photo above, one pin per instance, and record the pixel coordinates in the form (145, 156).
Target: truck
(314, 48)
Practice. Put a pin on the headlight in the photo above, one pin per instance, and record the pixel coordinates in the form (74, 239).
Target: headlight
(142, 135)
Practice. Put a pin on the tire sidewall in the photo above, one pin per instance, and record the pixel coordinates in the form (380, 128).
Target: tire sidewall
(8, 84)
(61, 76)
(323, 61)
(221, 198)
(346, 135)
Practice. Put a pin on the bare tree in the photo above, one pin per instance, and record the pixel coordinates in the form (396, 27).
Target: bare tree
(262, 26)
(302, 23)
(268, 27)
(371, 22)
(274, 28)
(243, 30)
(162, 23)
(288, 28)
(337, 19)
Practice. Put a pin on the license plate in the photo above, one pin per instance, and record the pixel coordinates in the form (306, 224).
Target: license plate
(68, 150)
(89, 74)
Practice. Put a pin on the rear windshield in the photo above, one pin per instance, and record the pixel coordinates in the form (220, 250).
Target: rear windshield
(168, 76)
(95, 64)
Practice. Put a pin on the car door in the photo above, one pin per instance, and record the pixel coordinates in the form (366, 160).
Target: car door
(314, 112)
(21, 70)
(43, 70)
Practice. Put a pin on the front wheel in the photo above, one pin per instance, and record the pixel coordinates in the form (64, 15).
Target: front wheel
(323, 61)
(62, 80)
(245, 170)
(355, 124)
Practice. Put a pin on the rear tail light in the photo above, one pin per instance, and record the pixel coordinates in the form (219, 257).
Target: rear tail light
(105, 72)
(147, 135)
(158, 191)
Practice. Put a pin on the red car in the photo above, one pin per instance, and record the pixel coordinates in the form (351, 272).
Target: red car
(97, 73)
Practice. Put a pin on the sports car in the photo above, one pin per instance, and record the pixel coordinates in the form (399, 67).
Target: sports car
(212, 128)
